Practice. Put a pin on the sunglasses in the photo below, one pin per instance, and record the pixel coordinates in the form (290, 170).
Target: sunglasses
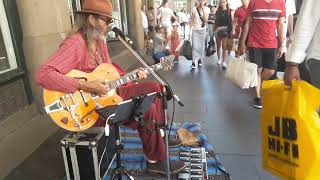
(106, 19)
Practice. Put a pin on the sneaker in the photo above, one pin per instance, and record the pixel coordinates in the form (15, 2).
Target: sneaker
(224, 65)
(199, 63)
(173, 142)
(257, 103)
(193, 65)
(219, 62)
(160, 167)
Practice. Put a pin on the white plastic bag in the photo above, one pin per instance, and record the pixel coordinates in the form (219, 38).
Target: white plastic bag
(243, 73)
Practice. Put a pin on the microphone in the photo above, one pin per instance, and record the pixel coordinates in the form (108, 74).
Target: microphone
(118, 32)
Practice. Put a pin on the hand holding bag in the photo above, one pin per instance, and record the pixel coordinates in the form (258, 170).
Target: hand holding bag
(290, 127)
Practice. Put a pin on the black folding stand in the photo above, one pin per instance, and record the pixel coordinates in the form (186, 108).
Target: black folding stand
(130, 109)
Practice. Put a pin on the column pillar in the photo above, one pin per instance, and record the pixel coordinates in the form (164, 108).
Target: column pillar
(135, 28)
(190, 5)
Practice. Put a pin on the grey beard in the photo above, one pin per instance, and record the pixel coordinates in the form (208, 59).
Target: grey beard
(97, 34)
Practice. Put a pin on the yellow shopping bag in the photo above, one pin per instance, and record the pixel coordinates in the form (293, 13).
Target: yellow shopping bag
(291, 130)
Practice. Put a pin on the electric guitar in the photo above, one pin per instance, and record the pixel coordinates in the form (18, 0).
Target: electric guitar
(76, 111)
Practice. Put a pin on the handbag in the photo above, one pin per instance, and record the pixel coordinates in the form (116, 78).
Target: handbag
(223, 33)
(211, 49)
(242, 73)
(186, 49)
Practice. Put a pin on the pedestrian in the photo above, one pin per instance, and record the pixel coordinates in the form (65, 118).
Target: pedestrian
(175, 40)
(223, 31)
(288, 30)
(239, 18)
(305, 45)
(151, 21)
(264, 18)
(159, 42)
(145, 25)
(199, 21)
(211, 20)
(183, 20)
(165, 15)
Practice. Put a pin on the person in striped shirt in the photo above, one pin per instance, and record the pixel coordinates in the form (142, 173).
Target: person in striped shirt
(84, 50)
(265, 19)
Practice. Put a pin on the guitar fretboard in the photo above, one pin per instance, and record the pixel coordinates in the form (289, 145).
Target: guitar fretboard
(129, 77)
(123, 80)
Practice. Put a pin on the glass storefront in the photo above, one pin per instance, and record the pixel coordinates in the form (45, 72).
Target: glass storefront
(8, 60)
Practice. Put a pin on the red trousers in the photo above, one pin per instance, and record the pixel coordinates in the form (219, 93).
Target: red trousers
(153, 145)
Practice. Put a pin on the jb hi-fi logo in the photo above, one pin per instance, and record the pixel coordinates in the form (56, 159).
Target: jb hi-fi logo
(281, 137)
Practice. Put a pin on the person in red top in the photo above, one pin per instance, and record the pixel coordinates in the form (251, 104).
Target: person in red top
(84, 50)
(239, 18)
(265, 18)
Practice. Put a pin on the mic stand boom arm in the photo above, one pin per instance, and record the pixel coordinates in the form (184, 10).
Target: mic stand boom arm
(128, 43)
(137, 54)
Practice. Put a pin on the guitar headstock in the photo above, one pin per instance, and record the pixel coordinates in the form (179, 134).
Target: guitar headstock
(167, 62)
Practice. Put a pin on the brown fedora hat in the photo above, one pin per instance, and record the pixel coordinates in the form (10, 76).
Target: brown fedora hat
(99, 7)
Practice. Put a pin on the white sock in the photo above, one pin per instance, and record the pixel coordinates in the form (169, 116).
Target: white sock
(162, 132)
(150, 161)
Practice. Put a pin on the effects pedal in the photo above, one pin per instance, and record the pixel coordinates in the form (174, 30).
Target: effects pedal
(196, 160)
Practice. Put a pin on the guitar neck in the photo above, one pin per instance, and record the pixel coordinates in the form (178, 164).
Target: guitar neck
(130, 77)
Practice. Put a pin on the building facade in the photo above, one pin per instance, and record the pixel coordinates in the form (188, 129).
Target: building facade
(30, 31)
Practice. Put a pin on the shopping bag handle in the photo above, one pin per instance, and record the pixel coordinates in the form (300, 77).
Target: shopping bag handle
(190, 33)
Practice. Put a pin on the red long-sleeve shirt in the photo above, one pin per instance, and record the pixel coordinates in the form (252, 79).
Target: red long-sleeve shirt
(72, 54)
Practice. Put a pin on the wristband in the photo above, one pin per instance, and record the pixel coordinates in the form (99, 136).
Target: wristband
(292, 64)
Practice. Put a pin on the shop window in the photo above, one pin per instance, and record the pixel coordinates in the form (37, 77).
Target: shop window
(8, 60)
(119, 11)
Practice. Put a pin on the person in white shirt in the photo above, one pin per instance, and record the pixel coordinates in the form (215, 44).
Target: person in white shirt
(290, 11)
(183, 20)
(151, 19)
(144, 22)
(199, 21)
(288, 29)
(305, 45)
(165, 15)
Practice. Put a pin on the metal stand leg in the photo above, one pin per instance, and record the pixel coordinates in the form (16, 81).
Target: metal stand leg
(165, 107)
(119, 170)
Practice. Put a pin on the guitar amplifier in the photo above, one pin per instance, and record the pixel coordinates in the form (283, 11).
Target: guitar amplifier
(82, 153)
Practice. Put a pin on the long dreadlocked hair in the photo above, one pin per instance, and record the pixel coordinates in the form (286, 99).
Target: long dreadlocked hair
(83, 26)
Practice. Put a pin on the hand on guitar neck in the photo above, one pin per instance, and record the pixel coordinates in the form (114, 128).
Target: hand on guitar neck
(101, 87)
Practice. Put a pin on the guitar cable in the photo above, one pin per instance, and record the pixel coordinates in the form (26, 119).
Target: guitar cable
(107, 131)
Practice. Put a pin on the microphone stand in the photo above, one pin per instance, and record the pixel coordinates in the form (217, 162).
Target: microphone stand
(138, 55)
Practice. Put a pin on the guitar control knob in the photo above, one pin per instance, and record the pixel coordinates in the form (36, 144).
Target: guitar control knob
(64, 120)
